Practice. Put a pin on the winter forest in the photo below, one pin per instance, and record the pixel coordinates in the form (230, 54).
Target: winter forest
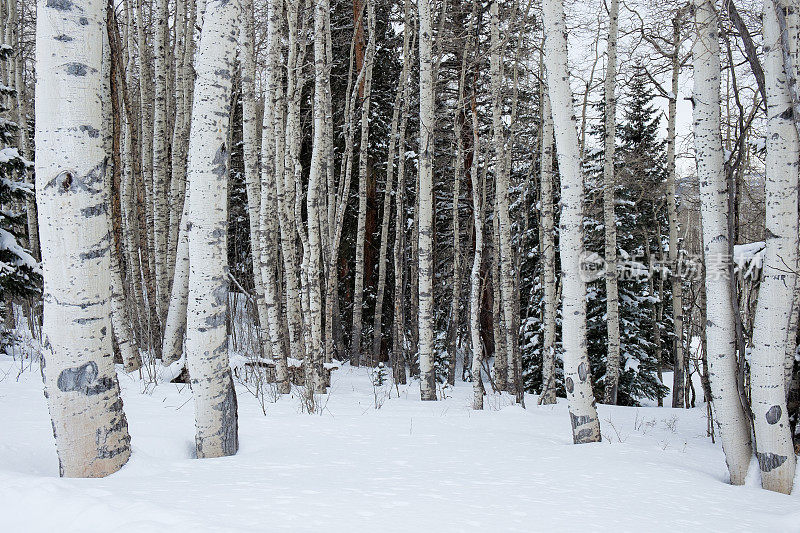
(428, 265)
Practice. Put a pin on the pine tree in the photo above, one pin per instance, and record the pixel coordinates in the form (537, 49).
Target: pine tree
(20, 274)
(640, 209)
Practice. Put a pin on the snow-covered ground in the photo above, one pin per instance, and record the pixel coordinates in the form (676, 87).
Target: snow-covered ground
(408, 466)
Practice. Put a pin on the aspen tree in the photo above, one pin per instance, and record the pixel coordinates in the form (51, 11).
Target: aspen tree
(582, 410)
(773, 439)
(609, 218)
(548, 250)
(427, 117)
(206, 338)
(719, 327)
(81, 386)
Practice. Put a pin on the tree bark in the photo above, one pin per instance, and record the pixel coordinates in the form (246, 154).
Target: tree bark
(216, 418)
(720, 327)
(81, 386)
(582, 410)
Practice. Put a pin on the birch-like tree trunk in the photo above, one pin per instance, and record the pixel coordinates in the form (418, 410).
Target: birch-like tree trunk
(773, 438)
(175, 325)
(679, 370)
(476, 288)
(160, 157)
(548, 250)
(577, 374)
(216, 418)
(268, 225)
(720, 328)
(363, 169)
(81, 386)
(427, 118)
(609, 218)
(250, 150)
(313, 199)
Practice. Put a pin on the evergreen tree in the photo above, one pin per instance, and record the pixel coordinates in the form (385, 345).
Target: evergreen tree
(641, 224)
(20, 274)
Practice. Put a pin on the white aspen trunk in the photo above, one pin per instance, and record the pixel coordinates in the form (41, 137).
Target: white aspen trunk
(679, 372)
(119, 316)
(175, 325)
(285, 180)
(269, 206)
(387, 198)
(771, 328)
(183, 31)
(250, 149)
(81, 386)
(160, 158)
(315, 182)
(577, 374)
(720, 327)
(146, 147)
(478, 206)
(22, 122)
(427, 118)
(206, 338)
(505, 252)
(548, 251)
(363, 164)
(609, 218)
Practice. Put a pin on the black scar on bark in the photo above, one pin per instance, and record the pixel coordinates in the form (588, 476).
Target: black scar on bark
(774, 414)
(93, 132)
(582, 371)
(84, 379)
(61, 5)
(579, 420)
(77, 69)
(63, 38)
(769, 461)
(570, 385)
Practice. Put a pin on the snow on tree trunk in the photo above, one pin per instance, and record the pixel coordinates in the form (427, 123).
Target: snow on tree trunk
(609, 218)
(773, 439)
(81, 386)
(720, 327)
(548, 250)
(577, 374)
(427, 382)
(206, 338)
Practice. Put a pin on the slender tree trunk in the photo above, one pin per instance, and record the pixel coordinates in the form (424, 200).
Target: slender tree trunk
(81, 386)
(774, 446)
(609, 218)
(160, 157)
(216, 418)
(427, 102)
(582, 410)
(720, 327)
(363, 169)
(548, 249)
(476, 289)
(679, 374)
(269, 205)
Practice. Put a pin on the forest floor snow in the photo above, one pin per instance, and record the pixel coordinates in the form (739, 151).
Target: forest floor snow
(407, 466)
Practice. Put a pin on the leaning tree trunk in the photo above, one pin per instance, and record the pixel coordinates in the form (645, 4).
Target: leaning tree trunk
(427, 111)
(81, 386)
(720, 327)
(609, 218)
(216, 418)
(582, 410)
(548, 249)
(773, 438)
